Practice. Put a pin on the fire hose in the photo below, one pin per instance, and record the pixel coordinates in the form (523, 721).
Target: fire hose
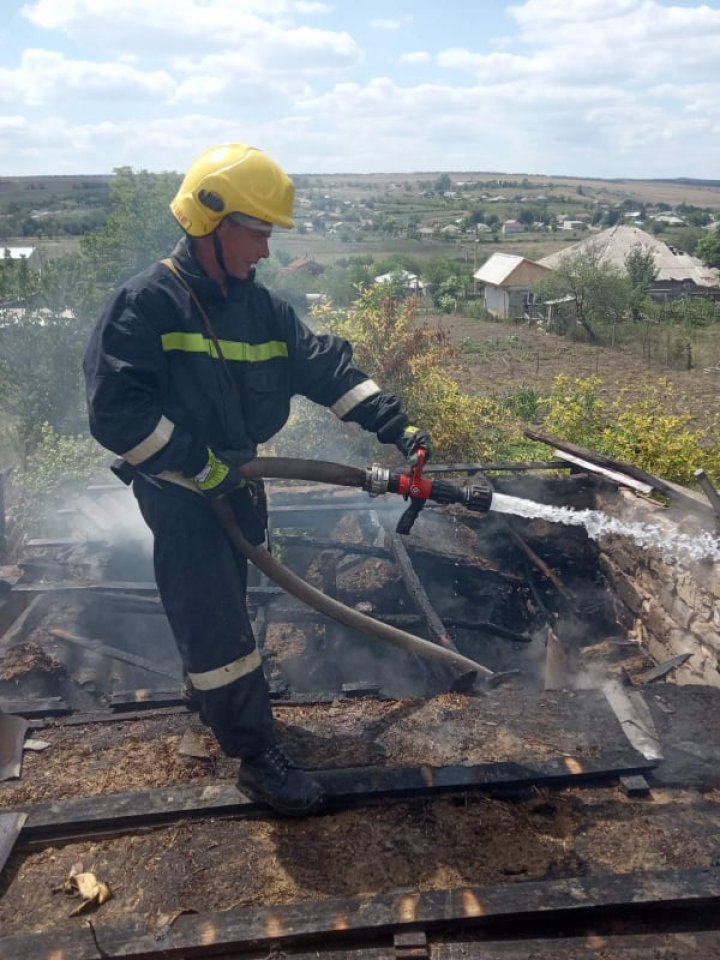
(375, 480)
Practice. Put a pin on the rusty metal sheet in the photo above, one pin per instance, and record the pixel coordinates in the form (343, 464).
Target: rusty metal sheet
(12, 735)
(10, 827)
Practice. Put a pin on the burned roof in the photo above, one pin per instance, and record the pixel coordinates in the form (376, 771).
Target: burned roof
(459, 821)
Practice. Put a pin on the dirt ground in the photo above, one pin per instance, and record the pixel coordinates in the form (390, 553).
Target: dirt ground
(221, 864)
(502, 358)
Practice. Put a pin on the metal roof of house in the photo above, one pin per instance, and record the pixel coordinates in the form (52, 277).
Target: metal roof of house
(407, 279)
(614, 244)
(508, 269)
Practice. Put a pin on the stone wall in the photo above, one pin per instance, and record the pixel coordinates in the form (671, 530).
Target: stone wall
(674, 601)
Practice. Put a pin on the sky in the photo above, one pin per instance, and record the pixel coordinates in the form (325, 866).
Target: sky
(592, 88)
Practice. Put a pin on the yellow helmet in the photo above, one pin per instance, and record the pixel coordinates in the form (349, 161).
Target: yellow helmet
(233, 178)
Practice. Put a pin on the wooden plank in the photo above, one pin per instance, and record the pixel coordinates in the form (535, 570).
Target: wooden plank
(64, 586)
(687, 945)
(344, 787)
(333, 922)
(146, 699)
(613, 475)
(114, 653)
(122, 586)
(45, 707)
(635, 786)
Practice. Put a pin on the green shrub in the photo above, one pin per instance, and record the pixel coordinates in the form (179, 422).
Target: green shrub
(56, 467)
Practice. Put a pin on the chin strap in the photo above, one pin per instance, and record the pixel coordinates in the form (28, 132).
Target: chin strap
(219, 255)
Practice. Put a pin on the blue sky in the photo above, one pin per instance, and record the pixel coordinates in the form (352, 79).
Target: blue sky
(608, 88)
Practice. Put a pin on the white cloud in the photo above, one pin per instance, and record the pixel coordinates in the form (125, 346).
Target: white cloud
(165, 28)
(44, 76)
(637, 39)
(605, 87)
(416, 56)
(381, 24)
(308, 7)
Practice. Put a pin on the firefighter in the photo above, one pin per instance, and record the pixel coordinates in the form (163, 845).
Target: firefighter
(191, 365)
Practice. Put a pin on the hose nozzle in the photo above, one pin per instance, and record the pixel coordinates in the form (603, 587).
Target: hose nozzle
(477, 496)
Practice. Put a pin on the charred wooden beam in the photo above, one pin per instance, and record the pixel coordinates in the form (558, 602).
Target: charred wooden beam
(123, 812)
(418, 594)
(113, 653)
(364, 919)
(129, 587)
(538, 562)
(35, 708)
(436, 555)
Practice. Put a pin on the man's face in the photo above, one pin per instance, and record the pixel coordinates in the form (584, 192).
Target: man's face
(242, 247)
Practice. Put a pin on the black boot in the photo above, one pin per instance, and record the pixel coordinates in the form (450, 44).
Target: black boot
(269, 776)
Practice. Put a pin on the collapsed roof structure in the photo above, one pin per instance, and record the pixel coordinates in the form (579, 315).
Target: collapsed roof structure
(567, 809)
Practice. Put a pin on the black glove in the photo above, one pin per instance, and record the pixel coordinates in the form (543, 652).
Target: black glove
(411, 440)
(220, 475)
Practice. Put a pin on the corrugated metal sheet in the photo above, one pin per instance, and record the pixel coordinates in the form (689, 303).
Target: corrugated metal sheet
(614, 244)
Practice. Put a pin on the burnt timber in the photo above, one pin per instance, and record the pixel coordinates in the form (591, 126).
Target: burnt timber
(339, 922)
(575, 909)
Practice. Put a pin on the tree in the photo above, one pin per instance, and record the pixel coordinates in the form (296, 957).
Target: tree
(641, 268)
(526, 216)
(139, 229)
(708, 249)
(642, 272)
(602, 294)
(40, 371)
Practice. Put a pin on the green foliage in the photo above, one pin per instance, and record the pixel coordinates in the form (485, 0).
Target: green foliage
(57, 465)
(708, 249)
(408, 359)
(641, 268)
(40, 370)
(139, 229)
(686, 314)
(602, 294)
(525, 404)
(636, 426)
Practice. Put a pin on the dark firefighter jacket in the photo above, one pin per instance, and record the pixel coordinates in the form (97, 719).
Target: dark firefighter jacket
(159, 395)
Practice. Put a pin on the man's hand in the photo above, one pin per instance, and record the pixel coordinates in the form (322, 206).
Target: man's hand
(219, 476)
(411, 440)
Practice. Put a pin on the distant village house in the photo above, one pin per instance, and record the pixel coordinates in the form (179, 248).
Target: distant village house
(507, 282)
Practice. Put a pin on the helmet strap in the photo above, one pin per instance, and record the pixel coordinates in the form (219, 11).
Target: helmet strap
(219, 255)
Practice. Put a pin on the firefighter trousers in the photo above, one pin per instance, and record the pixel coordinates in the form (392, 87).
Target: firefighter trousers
(202, 582)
